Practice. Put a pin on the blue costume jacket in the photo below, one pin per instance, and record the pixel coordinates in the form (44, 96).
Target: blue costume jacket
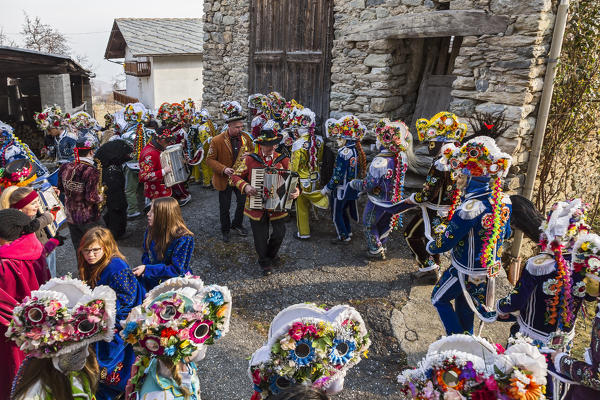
(116, 358)
(531, 298)
(176, 261)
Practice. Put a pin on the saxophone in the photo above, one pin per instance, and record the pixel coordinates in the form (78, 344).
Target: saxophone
(239, 164)
(101, 187)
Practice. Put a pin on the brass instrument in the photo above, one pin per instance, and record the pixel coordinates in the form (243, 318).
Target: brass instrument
(101, 186)
(239, 164)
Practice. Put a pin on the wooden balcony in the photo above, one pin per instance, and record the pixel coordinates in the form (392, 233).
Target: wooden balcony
(122, 98)
(137, 68)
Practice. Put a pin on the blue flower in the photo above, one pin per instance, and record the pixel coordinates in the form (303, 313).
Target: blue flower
(130, 327)
(303, 354)
(218, 334)
(342, 351)
(169, 351)
(214, 297)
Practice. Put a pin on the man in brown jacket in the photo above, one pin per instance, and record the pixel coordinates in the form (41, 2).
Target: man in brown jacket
(226, 152)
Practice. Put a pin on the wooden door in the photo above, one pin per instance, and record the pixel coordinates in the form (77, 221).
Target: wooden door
(290, 46)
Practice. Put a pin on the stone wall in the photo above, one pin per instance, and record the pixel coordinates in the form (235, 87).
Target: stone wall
(226, 53)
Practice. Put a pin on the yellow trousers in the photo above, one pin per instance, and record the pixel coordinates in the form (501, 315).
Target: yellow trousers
(303, 204)
(207, 173)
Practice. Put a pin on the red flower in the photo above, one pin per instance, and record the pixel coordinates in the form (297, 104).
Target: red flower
(499, 348)
(56, 124)
(256, 396)
(42, 116)
(483, 394)
(67, 116)
(168, 332)
(297, 331)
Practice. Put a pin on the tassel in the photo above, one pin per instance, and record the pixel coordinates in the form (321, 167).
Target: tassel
(490, 294)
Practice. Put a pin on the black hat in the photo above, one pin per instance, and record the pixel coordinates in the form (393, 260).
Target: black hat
(18, 171)
(269, 134)
(14, 224)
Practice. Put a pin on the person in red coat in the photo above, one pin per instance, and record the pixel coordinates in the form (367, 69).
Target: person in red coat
(151, 171)
(267, 246)
(21, 254)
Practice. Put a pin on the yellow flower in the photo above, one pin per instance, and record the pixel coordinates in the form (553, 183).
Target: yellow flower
(585, 246)
(185, 343)
(131, 339)
(221, 311)
(366, 353)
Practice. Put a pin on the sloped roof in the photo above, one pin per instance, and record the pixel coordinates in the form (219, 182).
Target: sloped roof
(17, 62)
(155, 37)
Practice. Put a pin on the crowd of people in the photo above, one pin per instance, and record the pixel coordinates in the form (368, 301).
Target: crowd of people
(138, 331)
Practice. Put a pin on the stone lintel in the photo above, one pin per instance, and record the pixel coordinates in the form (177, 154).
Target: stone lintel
(429, 24)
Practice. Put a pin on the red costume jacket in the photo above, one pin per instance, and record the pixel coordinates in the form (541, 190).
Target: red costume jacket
(243, 176)
(151, 173)
(79, 181)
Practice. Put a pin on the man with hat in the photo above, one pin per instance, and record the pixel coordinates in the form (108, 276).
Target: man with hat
(225, 154)
(266, 245)
(152, 173)
(80, 181)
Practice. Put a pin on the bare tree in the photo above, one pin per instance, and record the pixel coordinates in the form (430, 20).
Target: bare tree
(84, 61)
(5, 40)
(43, 37)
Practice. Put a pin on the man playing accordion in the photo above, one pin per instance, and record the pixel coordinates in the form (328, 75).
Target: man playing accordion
(265, 158)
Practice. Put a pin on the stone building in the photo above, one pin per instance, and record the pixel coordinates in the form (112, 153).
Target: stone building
(403, 59)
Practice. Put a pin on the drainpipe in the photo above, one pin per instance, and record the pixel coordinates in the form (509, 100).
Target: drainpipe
(542, 119)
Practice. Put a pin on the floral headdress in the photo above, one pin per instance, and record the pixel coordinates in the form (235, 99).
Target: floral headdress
(302, 118)
(50, 117)
(82, 121)
(63, 316)
(178, 317)
(288, 110)
(189, 105)
(565, 222)
(308, 345)
(443, 127)
(586, 259)
(276, 102)
(481, 157)
(471, 367)
(348, 127)
(172, 114)
(135, 113)
(261, 103)
(232, 111)
(19, 172)
(396, 137)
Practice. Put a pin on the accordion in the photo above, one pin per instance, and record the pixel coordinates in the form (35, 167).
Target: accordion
(173, 157)
(51, 203)
(275, 187)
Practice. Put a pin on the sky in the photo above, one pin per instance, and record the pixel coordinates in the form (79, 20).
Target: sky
(87, 24)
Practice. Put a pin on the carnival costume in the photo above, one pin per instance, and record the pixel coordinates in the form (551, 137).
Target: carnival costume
(151, 170)
(20, 263)
(307, 155)
(474, 235)
(12, 148)
(176, 322)
(81, 183)
(349, 164)
(470, 367)
(439, 197)
(384, 184)
(266, 244)
(175, 262)
(586, 259)
(116, 358)
(59, 321)
(260, 107)
(19, 172)
(289, 127)
(85, 125)
(276, 104)
(132, 122)
(309, 345)
(202, 132)
(64, 144)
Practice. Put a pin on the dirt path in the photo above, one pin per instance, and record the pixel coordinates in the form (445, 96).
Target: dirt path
(313, 271)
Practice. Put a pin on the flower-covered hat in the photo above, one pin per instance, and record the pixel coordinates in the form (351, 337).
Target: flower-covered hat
(302, 119)
(62, 316)
(288, 110)
(479, 157)
(308, 345)
(276, 102)
(50, 117)
(82, 121)
(260, 103)
(394, 136)
(585, 257)
(172, 114)
(19, 172)
(269, 134)
(565, 222)
(178, 317)
(348, 127)
(443, 127)
(135, 113)
(462, 366)
(232, 111)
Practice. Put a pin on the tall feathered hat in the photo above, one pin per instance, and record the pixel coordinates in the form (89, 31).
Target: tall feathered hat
(62, 316)
(443, 127)
(232, 111)
(348, 127)
(178, 317)
(308, 345)
(51, 117)
(471, 367)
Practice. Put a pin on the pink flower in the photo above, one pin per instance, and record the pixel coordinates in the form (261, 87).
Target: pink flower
(491, 384)
(296, 332)
(310, 329)
(184, 334)
(35, 333)
(256, 377)
(499, 348)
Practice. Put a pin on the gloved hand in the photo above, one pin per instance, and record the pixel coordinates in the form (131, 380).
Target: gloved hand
(61, 239)
(325, 191)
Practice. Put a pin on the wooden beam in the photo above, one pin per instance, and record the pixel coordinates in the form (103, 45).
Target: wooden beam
(429, 24)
